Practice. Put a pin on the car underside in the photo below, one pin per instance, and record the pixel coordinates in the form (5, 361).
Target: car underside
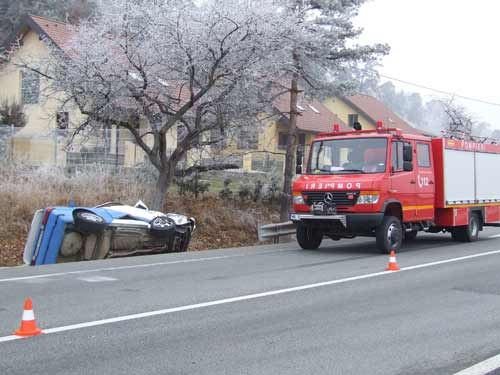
(120, 241)
(65, 234)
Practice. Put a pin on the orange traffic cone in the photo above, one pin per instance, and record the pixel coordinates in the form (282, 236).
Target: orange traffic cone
(393, 266)
(28, 323)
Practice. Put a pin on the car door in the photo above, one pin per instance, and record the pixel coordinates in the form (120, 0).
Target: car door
(403, 183)
(425, 181)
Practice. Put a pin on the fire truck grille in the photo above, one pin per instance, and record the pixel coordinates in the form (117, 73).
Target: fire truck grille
(340, 198)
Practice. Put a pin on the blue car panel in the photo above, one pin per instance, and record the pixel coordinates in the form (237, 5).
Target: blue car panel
(55, 227)
(158, 232)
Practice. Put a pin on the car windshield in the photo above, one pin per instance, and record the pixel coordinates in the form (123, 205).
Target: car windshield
(348, 156)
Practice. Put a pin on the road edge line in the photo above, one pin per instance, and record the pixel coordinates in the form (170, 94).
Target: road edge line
(482, 368)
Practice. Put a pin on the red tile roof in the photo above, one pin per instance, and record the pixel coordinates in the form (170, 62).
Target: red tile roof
(58, 32)
(375, 110)
(314, 116)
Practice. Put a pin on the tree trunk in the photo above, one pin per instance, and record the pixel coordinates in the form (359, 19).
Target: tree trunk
(163, 183)
(167, 172)
(285, 200)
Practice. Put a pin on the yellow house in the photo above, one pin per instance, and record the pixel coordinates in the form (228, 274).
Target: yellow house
(43, 139)
(366, 110)
(263, 148)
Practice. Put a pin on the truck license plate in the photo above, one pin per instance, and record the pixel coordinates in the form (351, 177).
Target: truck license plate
(320, 208)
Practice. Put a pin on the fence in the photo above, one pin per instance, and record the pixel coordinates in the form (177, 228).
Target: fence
(109, 146)
(6, 133)
(113, 147)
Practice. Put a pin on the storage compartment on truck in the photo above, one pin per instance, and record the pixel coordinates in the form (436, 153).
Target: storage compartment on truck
(457, 165)
(487, 177)
(467, 173)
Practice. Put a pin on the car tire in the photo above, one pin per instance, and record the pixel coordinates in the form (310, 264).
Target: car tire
(162, 227)
(87, 221)
(308, 237)
(468, 233)
(184, 239)
(389, 235)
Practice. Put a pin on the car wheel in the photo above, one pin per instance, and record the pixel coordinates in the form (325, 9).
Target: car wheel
(181, 243)
(162, 226)
(88, 222)
(389, 235)
(309, 238)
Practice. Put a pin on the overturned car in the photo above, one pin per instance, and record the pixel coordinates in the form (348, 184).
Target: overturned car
(63, 234)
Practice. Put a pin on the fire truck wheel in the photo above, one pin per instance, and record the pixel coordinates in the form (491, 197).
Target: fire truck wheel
(308, 237)
(389, 235)
(467, 233)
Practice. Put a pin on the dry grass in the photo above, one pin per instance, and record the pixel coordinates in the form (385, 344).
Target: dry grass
(25, 189)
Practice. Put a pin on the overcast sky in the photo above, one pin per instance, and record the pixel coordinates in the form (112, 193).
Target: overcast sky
(451, 45)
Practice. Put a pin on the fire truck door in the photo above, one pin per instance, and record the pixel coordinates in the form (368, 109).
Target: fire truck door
(425, 181)
(404, 178)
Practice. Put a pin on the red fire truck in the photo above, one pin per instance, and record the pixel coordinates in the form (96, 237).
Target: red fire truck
(390, 185)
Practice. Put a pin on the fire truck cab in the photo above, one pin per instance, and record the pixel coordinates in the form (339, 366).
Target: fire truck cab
(390, 185)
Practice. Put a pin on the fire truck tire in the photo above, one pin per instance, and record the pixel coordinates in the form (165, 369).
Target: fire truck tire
(389, 235)
(308, 237)
(467, 233)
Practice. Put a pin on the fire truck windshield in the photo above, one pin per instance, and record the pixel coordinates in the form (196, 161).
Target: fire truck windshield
(348, 156)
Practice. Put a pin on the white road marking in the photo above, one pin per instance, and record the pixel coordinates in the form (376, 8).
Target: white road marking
(37, 281)
(96, 279)
(482, 368)
(495, 236)
(119, 268)
(247, 297)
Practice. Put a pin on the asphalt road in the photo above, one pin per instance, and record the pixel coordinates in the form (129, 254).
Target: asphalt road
(272, 309)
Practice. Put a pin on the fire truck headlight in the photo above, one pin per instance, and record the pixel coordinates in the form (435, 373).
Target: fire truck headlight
(297, 198)
(368, 197)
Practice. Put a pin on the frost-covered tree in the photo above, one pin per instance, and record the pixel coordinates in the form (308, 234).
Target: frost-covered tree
(495, 135)
(460, 123)
(434, 116)
(155, 66)
(12, 114)
(323, 53)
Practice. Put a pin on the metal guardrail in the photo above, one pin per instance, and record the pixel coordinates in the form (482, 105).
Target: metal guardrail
(275, 231)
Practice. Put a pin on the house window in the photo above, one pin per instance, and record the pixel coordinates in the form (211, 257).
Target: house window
(30, 87)
(282, 141)
(352, 119)
(423, 155)
(302, 139)
(62, 120)
(217, 138)
(248, 139)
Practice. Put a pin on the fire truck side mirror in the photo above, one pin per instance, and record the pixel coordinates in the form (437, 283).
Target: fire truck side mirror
(407, 152)
(407, 166)
(298, 169)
